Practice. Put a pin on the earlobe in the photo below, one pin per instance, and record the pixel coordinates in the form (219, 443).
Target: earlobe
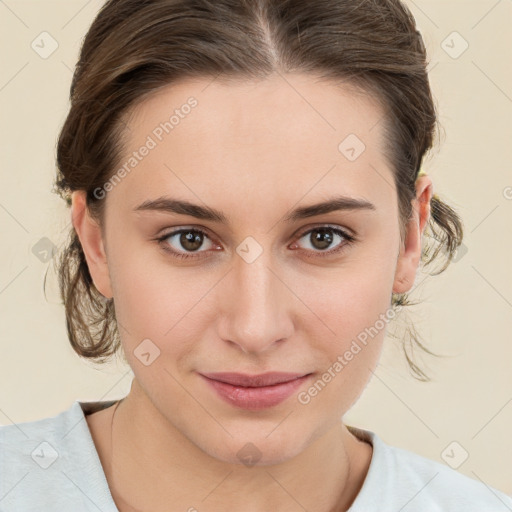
(408, 259)
(89, 233)
(410, 251)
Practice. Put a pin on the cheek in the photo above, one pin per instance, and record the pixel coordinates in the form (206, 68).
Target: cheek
(349, 299)
(358, 312)
(159, 302)
(355, 303)
(347, 358)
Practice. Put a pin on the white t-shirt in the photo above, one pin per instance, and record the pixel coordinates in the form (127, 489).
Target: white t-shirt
(51, 465)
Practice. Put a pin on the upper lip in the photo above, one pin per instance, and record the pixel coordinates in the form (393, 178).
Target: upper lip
(253, 381)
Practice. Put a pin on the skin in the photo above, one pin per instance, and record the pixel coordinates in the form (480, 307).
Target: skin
(254, 150)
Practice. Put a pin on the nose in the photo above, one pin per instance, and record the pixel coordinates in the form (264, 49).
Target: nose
(256, 306)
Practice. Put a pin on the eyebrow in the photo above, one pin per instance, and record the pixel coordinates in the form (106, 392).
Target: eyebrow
(169, 205)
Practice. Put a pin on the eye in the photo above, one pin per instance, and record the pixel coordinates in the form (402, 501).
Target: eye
(322, 237)
(188, 240)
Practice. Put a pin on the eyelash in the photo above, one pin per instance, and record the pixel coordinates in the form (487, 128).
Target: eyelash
(349, 240)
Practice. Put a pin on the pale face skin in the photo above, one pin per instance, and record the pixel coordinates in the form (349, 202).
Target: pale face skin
(255, 151)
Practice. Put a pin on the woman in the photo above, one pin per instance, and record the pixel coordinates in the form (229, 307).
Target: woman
(245, 187)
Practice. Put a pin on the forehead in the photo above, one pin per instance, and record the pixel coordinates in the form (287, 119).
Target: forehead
(292, 134)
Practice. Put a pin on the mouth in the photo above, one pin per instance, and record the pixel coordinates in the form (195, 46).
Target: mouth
(254, 392)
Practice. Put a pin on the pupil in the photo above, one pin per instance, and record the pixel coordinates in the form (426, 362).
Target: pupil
(322, 239)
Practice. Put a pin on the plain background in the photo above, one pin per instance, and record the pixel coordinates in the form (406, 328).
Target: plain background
(465, 313)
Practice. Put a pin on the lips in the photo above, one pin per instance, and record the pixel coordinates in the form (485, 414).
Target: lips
(253, 381)
(254, 392)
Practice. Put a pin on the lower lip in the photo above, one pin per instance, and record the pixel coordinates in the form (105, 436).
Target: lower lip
(255, 399)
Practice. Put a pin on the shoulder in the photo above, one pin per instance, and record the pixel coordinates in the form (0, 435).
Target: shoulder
(44, 463)
(23, 444)
(439, 485)
(402, 480)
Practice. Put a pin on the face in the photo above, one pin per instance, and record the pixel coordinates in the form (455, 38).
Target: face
(264, 284)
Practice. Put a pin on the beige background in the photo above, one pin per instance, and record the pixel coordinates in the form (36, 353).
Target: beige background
(466, 312)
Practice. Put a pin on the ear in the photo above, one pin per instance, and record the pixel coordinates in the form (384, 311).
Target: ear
(410, 251)
(89, 233)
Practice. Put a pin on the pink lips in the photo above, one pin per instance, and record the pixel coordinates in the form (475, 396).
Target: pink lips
(255, 392)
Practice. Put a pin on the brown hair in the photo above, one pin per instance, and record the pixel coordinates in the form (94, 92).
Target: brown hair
(135, 47)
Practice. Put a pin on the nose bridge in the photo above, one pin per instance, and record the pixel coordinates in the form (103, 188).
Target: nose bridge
(256, 313)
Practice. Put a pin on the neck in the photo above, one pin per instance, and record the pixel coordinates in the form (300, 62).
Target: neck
(152, 464)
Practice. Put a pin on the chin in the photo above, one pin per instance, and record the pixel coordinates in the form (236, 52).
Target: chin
(264, 444)
(260, 452)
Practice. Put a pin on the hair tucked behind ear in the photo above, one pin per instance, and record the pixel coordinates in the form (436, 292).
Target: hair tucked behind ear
(446, 229)
(443, 235)
(90, 316)
(135, 47)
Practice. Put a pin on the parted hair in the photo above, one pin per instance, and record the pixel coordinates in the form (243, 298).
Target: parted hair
(135, 47)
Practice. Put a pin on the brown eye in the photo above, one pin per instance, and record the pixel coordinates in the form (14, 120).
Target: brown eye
(319, 240)
(181, 242)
